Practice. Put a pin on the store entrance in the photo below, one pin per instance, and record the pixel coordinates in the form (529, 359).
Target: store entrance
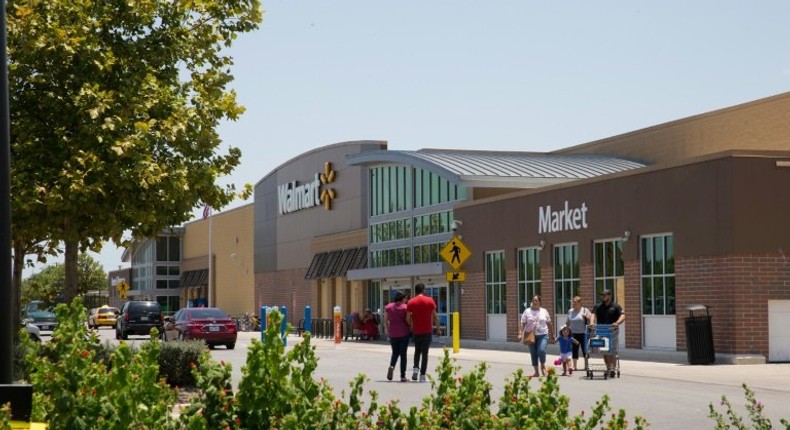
(440, 293)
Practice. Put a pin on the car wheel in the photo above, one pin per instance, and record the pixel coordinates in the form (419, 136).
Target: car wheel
(230, 345)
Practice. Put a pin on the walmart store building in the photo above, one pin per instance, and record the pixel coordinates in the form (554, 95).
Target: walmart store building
(691, 212)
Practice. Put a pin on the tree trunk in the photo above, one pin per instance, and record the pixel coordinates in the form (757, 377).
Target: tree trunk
(16, 284)
(70, 266)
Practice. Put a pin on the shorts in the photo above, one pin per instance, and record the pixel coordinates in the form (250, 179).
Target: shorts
(565, 356)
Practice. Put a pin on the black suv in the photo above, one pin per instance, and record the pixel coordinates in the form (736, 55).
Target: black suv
(138, 317)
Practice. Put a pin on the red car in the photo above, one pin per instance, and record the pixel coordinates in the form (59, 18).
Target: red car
(211, 325)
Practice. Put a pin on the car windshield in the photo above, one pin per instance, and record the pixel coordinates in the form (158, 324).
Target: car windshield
(37, 306)
(108, 311)
(208, 313)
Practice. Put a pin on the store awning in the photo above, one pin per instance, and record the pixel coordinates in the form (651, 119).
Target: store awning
(194, 278)
(336, 263)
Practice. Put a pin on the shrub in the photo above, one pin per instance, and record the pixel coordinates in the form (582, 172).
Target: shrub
(176, 360)
(73, 389)
(731, 419)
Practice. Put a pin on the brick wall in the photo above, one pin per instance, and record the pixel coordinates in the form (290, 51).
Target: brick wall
(473, 307)
(285, 287)
(737, 288)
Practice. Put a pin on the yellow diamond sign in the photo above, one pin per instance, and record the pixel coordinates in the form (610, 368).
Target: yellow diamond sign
(455, 253)
(122, 288)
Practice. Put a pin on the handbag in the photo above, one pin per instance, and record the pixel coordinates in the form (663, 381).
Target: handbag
(528, 338)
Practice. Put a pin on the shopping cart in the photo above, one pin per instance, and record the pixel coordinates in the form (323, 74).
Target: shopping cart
(601, 340)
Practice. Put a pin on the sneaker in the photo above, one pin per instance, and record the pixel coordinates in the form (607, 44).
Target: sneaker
(389, 373)
(403, 379)
(415, 372)
(422, 378)
(611, 374)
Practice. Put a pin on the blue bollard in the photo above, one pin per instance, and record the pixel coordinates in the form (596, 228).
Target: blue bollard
(263, 320)
(308, 319)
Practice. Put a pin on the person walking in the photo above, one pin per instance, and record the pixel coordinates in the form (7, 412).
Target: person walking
(608, 312)
(397, 329)
(578, 318)
(422, 317)
(538, 319)
(566, 343)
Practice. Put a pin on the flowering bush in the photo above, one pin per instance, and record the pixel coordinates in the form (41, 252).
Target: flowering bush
(75, 390)
(731, 419)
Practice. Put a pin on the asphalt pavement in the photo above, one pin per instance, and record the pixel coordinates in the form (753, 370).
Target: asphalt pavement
(669, 394)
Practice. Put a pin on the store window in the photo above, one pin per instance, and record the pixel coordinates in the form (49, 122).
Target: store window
(528, 268)
(374, 296)
(609, 268)
(496, 288)
(169, 304)
(168, 249)
(566, 276)
(658, 275)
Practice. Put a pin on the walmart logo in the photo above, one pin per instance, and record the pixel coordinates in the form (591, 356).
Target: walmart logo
(327, 194)
(293, 196)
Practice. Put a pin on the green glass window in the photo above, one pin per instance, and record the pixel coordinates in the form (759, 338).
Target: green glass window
(658, 275)
(566, 276)
(528, 275)
(609, 266)
(496, 288)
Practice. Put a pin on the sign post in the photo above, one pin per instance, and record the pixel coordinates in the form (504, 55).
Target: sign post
(455, 253)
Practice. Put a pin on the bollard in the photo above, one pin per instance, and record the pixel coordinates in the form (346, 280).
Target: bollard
(264, 322)
(338, 334)
(456, 333)
(284, 325)
(308, 319)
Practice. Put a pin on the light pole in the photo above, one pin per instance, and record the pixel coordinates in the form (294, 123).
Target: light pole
(20, 395)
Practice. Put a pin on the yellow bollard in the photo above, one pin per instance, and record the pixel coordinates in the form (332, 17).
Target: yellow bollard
(456, 333)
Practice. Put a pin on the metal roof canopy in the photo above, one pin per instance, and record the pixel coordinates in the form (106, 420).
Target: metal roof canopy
(498, 168)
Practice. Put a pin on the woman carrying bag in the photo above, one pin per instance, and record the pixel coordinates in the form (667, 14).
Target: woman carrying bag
(536, 319)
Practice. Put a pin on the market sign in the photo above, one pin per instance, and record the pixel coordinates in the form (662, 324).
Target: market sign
(564, 219)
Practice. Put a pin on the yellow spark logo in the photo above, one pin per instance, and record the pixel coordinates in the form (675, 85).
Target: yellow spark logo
(327, 194)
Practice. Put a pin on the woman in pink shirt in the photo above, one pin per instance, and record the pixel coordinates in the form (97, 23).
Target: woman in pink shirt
(398, 332)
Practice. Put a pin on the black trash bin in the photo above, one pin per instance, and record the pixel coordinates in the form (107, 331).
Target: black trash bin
(699, 336)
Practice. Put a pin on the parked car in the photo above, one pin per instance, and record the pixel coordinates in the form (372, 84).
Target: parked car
(211, 325)
(138, 318)
(103, 316)
(38, 314)
(33, 332)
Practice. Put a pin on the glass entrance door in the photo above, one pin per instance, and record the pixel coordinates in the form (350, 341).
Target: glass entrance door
(440, 294)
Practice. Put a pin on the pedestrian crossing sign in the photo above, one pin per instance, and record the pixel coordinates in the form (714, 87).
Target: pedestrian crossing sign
(455, 253)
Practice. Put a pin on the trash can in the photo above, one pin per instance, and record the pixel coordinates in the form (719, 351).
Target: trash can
(699, 336)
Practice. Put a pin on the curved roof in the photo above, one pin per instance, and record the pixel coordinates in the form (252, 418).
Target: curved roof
(501, 169)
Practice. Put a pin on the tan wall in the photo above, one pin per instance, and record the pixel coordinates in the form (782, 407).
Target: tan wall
(231, 246)
(761, 124)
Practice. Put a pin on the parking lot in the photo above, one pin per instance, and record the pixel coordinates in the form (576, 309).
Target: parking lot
(668, 395)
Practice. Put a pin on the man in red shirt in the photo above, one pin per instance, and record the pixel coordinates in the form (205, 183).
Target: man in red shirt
(422, 317)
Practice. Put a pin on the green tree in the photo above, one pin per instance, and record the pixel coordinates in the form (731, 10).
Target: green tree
(49, 284)
(114, 111)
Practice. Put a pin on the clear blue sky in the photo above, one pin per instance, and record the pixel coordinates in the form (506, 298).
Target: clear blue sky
(499, 75)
